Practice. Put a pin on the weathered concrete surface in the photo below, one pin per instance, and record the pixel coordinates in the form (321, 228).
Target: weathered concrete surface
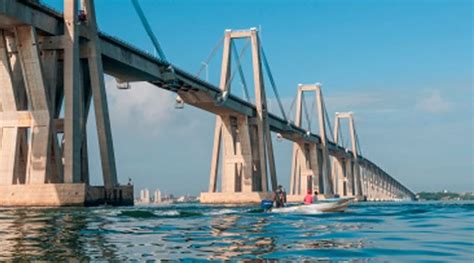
(42, 195)
(98, 195)
(234, 198)
(63, 195)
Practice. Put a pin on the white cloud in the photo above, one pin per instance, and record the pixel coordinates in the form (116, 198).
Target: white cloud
(143, 105)
(433, 102)
(147, 109)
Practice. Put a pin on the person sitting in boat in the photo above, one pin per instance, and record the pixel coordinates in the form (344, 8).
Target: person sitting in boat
(279, 197)
(308, 199)
(315, 197)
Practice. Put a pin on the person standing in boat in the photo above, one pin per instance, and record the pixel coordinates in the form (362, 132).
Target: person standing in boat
(315, 197)
(279, 197)
(308, 199)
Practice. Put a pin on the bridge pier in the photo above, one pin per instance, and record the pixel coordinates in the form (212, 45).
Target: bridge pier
(44, 76)
(247, 150)
(305, 173)
(343, 182)
(349, 168)
(310, 161)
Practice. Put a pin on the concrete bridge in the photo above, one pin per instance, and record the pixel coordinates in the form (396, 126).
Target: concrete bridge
(52, 69)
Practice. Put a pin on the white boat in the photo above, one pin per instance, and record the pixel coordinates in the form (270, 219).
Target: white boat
(327, 205)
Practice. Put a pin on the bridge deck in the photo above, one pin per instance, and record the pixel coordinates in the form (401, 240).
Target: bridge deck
(123, 61)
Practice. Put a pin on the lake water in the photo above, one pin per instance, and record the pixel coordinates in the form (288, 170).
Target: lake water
(399, 232)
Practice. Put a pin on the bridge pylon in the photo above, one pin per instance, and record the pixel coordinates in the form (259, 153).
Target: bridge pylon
(48, 85)
(242, 143)
(347, 171)
(310, 161)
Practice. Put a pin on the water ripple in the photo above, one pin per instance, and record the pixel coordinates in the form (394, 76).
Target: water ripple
(413, 232)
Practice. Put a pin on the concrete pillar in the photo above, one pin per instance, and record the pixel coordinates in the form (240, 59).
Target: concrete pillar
(72, 95)
(306, 167)
(349, 177)
(323, 171)
(247, 151)
(237, 155)
(262, 114)
(104, 131)
(356, 184)
(49, 60)
(339, 173)
(39, 151)
(9, 134)
(305, 170)
(37, 72)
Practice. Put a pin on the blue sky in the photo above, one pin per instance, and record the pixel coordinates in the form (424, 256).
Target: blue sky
(404, 67)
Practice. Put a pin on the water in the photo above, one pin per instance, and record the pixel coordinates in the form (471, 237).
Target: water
(400, 232)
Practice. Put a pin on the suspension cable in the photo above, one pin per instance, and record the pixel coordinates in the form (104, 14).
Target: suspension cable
(210, 56)
(241, 72)
(291, 107)
(272, 81)
(242, 52)
(328, 122)
(148, 30)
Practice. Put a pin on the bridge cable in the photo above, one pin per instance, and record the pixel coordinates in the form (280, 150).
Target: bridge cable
(272, 81)
(241, 72)
(328, 122)
(242, 52)
(290, 110)
(210, 57)
(148, 30)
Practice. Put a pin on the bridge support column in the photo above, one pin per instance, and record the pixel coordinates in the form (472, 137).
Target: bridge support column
(339, 173)
(247, 151)
(310, 161)
(38, 72)
(378, 184)
(305, 172)
(12, 141)
(311, 167)
(371, 191)
(352, 164)
(349, 177)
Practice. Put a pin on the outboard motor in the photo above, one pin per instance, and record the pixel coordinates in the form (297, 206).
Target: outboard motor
(266, 205)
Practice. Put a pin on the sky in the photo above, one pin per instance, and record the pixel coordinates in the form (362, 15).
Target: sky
(405, 68)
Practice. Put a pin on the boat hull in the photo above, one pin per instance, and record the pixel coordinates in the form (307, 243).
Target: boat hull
(330, 205)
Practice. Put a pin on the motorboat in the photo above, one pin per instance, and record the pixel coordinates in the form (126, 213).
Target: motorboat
(321, 206)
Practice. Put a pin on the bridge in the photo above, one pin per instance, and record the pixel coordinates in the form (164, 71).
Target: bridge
(52, 70)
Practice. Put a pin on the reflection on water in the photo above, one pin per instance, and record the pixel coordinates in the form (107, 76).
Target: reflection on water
(379, 232)
(50, 234)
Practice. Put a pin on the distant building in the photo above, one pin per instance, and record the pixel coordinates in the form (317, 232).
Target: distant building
(157, 197)
(145, 196)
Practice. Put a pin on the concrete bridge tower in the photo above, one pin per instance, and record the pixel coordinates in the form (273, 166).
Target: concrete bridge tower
(244, 143)
(43, 154)
(347, 170)
(310, 162)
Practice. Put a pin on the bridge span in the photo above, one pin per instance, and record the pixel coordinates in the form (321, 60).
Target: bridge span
(53, 68)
